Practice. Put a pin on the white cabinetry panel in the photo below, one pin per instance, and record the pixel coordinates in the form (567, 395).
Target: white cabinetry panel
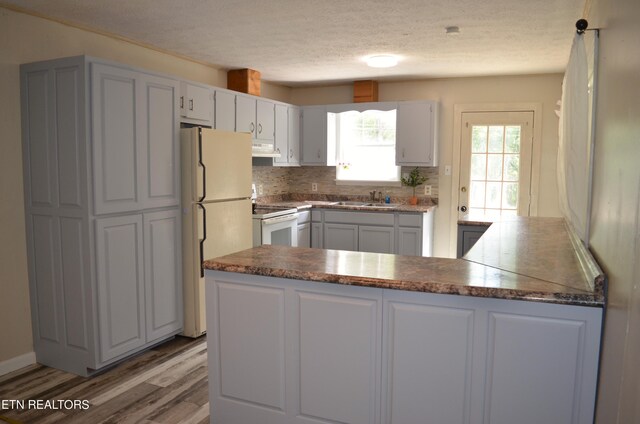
(427, 363)
(120, 263)
(115, 148)
(225, 111)
(375, 239)
(265, 117)
(339, 368)
(196, 103)
(340, 236)
(250, 350)
(163, 259)
(159, 135)
(69, 138)
(314, 136)
(39, 149)
(45, 276)
(533, 361)
(416, 143)
(246, 115)
(409, 241)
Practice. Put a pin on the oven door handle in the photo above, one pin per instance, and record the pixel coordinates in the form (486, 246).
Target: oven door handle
(279, 219)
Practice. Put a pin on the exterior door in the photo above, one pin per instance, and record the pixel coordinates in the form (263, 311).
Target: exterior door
(495, 163)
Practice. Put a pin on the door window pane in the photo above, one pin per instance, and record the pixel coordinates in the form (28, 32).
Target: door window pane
(496, 134)
(512, 139)
(511, 167)
(479, 139)
(476, 194)
(494, 167)
(494, 194)
(478, 166)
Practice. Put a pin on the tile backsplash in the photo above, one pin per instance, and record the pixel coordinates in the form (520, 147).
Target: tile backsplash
(297, 180)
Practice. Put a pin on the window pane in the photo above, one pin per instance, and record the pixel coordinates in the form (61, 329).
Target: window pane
(495, 139)
(494, 193)
(509, 212)
(478, 167)
(478, 139)
(510, 196)
(366, 146)
(511, 167)
(476, 194)
(512, 139)
(494, 167)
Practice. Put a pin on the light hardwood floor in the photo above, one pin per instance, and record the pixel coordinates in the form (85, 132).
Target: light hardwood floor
(166, 384)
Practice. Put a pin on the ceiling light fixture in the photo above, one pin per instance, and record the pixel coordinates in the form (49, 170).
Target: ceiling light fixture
(382, 61)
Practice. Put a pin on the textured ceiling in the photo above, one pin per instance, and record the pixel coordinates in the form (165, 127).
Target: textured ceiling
(297, 42)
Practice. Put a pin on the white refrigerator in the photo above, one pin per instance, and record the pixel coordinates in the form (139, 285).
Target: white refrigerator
(216, 209)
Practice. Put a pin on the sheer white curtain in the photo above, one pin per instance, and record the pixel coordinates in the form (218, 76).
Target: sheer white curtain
(574, 144)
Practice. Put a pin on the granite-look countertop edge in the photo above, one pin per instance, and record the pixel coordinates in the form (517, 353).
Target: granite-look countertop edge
(430, 275)
(327, 205)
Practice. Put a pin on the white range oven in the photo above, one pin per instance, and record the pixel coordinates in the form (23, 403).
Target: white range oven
(275, 226)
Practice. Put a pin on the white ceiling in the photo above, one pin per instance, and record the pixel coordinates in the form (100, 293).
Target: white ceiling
(298, 42)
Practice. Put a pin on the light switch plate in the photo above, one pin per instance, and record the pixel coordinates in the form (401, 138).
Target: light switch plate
(447, 170)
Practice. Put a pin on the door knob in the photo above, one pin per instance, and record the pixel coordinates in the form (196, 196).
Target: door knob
(463, 208)
(463, 189)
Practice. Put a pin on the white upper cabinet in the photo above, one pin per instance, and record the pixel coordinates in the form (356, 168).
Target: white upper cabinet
(246, 115)
(225, 110)
(265, 111)
(196, 104)
(314, 136)
(135, 149)
(416, 130)
(287, 135)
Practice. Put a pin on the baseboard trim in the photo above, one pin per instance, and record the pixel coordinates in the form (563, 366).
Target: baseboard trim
(16, 363)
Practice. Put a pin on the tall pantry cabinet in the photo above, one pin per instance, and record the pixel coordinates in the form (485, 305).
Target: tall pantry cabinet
(102, 203)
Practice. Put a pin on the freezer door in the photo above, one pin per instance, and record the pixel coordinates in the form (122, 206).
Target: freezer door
(222, 228)
(216, 166)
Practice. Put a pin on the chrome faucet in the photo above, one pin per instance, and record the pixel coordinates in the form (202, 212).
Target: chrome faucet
(372, 195)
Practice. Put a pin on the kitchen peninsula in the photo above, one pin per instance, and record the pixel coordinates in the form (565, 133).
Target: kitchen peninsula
(510, 333)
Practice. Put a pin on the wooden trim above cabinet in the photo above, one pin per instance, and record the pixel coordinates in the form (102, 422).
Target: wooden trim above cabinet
(365, 91)
(244, 80)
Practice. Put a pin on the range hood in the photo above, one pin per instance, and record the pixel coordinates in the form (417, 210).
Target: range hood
(264, 151)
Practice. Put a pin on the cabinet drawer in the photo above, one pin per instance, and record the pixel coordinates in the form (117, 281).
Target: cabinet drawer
(410, 220)
(364, 218)
(316, 216)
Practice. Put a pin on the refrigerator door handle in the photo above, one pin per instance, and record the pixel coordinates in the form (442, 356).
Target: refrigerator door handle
(204, 168)
(204, 237)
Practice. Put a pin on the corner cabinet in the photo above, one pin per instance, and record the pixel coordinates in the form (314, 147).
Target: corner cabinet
(102, 196)
(416, 134)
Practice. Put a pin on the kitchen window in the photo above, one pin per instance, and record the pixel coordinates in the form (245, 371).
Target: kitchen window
(365, 146)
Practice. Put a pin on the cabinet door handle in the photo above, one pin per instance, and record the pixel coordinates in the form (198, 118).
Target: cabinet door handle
(181, 102)
(190, 104)
(290, 153)
(253, 127)
(318, 153)
(403, 153)
(259, 128)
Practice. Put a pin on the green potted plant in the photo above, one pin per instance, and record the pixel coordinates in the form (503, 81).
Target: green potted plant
(414, 179)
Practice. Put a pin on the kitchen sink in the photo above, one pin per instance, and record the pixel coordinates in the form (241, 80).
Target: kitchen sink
(367, 204)
(352, 203)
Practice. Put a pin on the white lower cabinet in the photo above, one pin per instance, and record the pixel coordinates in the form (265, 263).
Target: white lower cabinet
(120, 260)
(376, 239)
(139, 262)
(409, 241)
(291, 351)
(341, 236)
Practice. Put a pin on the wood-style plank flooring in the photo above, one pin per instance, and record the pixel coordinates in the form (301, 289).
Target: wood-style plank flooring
(166, 384)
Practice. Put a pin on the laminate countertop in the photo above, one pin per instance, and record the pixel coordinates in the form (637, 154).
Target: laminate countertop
(523, 258)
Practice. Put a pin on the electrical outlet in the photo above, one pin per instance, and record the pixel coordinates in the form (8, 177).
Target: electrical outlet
(314, 186)
(260, 189)
(427, 190)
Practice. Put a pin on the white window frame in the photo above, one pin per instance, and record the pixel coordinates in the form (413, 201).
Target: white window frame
(362, 107)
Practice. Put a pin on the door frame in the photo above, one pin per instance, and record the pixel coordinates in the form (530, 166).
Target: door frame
(458, 110)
